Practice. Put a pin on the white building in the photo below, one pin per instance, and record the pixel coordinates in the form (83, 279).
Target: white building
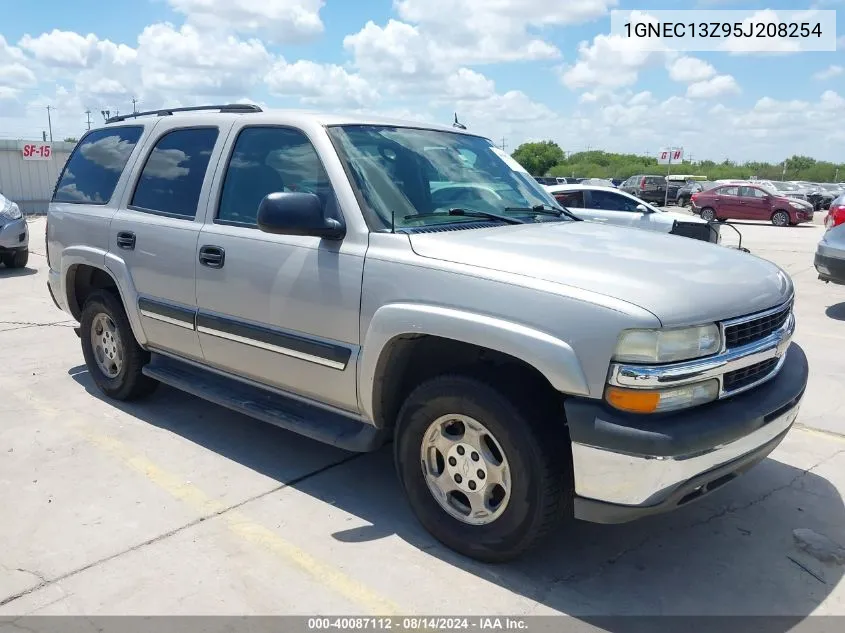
(29, 171)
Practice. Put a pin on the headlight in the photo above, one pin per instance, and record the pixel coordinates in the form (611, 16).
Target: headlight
(798, 205)
(662, 400)
(667, 346)
(10, 210)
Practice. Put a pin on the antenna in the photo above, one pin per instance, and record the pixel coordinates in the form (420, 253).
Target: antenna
(457, 124)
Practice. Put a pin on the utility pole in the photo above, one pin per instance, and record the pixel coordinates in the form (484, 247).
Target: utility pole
(503, 143)
(134, 101)
(88, 116)
(49, 124)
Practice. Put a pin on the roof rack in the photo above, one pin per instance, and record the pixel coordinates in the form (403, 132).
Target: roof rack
(230, 107)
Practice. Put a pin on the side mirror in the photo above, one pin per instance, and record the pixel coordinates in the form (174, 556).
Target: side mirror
(643, 209)
(297, 214)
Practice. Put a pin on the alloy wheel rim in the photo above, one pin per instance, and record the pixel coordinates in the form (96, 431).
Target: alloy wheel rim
(107, 346)
(466, 469)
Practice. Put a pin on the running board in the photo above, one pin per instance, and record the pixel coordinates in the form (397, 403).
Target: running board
(290, 414)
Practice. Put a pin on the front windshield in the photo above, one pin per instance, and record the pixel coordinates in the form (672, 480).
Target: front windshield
(412, 177)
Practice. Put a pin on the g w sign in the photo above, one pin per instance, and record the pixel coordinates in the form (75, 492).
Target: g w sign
(670, 155)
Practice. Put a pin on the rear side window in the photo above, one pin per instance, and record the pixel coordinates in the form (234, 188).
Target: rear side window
(172, 178)
(92, 171)
(573, 199)
(729, 191)
(269, 160)
(609, 201)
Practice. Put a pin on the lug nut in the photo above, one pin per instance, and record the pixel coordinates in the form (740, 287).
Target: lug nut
(460, 450)
(474, 456)
(472, 485)
(453, 461)
(480, 474)
(458, 479)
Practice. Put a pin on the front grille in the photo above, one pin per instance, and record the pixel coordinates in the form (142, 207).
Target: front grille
(755, 329)
(748, 375)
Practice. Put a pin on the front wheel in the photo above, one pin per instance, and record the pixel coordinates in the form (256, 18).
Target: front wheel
(18, 259)
(112, 354)
(780, 218)
(482, 474)
(708, 214)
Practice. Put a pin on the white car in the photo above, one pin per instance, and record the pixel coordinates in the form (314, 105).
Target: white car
(612, 206)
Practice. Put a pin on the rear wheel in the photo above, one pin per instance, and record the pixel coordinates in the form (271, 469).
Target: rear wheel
(483, 474)
(780, 218)
(708, 214)
(112, 354)
(18, 259)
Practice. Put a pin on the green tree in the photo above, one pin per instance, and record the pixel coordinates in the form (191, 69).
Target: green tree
(70, 139)
(538, 158)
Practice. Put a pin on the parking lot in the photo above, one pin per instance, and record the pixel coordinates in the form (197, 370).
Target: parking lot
(176, 506)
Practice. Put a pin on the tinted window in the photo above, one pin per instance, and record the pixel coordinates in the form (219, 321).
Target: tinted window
(267, 160)
(728, 191)
(94, 168)
(752, 192)
(573, 199)
(174, 172)
(611, 201)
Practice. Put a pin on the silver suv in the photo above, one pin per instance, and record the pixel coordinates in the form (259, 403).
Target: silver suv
(14, 235)
(360, 280)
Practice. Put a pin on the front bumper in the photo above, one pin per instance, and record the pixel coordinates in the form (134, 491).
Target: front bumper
(628, 466)
(14, 235)
(830, 268)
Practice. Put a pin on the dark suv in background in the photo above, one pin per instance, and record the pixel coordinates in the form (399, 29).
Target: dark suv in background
(650, 188)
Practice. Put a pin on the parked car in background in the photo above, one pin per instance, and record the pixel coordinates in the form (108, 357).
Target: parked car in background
(14, 235)
(597, 182)
(830, 252)
(684, 194)
(609, 205)
(546, 180)
(650, 188)
(789, 189)
(750, 202)
(817, 195)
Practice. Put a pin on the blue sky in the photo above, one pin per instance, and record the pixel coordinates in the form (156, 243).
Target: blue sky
(513, 69)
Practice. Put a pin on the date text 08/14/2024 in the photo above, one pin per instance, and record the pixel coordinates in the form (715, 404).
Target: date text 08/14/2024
(415, 623)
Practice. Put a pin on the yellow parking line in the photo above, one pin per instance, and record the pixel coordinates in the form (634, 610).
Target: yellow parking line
(238, 523)
(828, 435)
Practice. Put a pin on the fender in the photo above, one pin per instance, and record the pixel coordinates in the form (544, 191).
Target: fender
(551, 356)
(112, 266)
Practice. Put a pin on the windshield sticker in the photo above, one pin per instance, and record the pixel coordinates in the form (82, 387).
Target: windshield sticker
(510, 162)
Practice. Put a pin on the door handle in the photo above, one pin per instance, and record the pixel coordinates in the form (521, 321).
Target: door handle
(212, 256)
(126, 240)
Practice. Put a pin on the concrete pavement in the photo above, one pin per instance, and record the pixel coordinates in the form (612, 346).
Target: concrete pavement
(175, 506)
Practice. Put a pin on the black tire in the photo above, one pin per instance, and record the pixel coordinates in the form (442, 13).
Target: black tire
(129, 383)
(682, 202)
(539, 456)
(780, 218)
(18, 259)
(721, 220)
(708, 214)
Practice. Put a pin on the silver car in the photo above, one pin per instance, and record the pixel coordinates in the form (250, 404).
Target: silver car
(830, 253)
(14, 235)
(360, 281)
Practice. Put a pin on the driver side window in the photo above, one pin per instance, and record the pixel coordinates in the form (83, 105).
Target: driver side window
(268, 160)
(611, 201)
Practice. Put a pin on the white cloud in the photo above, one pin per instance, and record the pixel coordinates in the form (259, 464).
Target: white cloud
(690, 69)
(468, 85)
(326, 84)
(768, 45)
(395, 51)
(278, 20)
(67, 49)
(612, 61)
(709, 88)
(16, 75)
(190, 62)
(829, 73)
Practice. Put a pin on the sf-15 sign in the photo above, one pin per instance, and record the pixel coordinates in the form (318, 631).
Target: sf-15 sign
(36, 151)
(670, 155)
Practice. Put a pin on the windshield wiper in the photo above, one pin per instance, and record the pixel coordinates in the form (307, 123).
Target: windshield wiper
(544, 209)
(470, 213)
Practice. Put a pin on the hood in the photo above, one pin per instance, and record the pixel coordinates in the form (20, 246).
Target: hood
(787, 199)
(680, 280)
(683, 217)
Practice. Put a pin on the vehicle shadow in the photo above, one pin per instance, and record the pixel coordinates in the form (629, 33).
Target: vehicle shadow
(808, 225)
(16, 272)
(732, 553)
(836, 311)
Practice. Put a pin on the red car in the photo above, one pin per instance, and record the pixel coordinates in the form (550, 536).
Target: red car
(750, 202)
